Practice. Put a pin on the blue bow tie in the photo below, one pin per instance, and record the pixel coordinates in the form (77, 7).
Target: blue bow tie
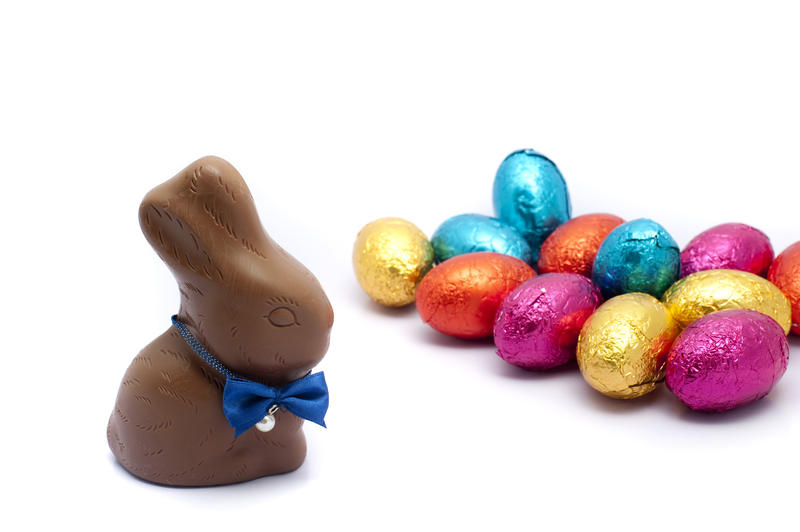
(246, 402)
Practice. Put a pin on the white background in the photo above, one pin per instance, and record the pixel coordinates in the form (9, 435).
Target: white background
(338, 113)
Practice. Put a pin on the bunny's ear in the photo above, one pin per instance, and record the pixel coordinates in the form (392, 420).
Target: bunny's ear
(202, 218)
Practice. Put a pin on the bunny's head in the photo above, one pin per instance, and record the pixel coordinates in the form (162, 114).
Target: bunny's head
(250, 303)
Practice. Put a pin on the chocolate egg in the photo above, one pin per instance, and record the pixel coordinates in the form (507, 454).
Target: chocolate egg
(572, 247)
(538, 324)
(637, 256)
(531, 195)
(470, 233)
(460, 296)
(708, 291)
(727, 359)
(390, 258)
(623, 346)
(728, 246)
(785, 274)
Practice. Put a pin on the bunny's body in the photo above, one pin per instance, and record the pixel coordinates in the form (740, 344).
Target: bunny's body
(257, 309)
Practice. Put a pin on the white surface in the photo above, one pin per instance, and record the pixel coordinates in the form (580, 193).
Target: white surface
(338, 113)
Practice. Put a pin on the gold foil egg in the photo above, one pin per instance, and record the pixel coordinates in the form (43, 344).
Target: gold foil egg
(390, 258)
(622, 349)
(708, 291)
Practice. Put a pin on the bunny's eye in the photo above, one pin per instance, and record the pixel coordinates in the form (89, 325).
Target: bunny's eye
(282, 317)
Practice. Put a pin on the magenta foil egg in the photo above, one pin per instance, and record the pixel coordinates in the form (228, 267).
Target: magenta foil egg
(727, 359)
(538, 324)
(728, 246)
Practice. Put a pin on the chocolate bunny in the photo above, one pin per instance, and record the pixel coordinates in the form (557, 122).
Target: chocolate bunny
(260, 312)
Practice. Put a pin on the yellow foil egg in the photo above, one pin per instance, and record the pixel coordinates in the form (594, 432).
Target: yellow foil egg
(390, 258)
(708, 291)
(623, 346)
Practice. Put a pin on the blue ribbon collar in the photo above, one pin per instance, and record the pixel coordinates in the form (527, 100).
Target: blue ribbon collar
(246, 403)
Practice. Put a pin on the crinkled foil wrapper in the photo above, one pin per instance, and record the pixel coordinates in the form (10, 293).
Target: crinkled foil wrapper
(460, 296)
(623, 346)
(572, 247)
(727, 359)
(390, 258)
(708, 291)
(538, 324)
(728, 246)
(785, 274)
(530, 194)
(637, 256)
(471, 233)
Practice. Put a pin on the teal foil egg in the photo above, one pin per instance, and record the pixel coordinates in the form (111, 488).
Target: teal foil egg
(531, 195)
(470, 233)
(638, 256)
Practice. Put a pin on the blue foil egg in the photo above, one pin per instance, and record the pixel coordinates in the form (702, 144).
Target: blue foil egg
(530, 194)
(637, 256)
(470, 233)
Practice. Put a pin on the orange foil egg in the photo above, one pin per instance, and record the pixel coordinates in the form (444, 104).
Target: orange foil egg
(785, 274)
(460, 297)
(571, 248)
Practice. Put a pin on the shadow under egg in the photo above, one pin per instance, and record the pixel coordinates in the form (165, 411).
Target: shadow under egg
(739, 414)
(384, 310)
(433, 337)
(794, 342)
(604, 403)
(510, 371)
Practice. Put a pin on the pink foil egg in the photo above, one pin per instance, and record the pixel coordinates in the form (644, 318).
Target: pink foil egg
(727, 359)
(538, 323)
(728, 246)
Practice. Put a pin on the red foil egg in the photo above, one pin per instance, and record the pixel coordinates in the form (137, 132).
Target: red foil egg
(460, 297)
(785, 274)
(571, 248)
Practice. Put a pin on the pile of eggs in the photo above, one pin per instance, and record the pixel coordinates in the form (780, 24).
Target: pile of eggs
(619, 297)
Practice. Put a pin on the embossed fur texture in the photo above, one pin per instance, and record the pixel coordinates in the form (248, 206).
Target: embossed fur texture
(254, 306)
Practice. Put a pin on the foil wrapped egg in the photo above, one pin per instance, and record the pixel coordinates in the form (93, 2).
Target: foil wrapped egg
(623, 346)
(530, 194)
(460, 296)
(728, 246)
(785, 274)
(709, 291)
(637, 256)
(572, 247)
(471, 233)
(390, 258)
(727, 359)
(538, 324)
